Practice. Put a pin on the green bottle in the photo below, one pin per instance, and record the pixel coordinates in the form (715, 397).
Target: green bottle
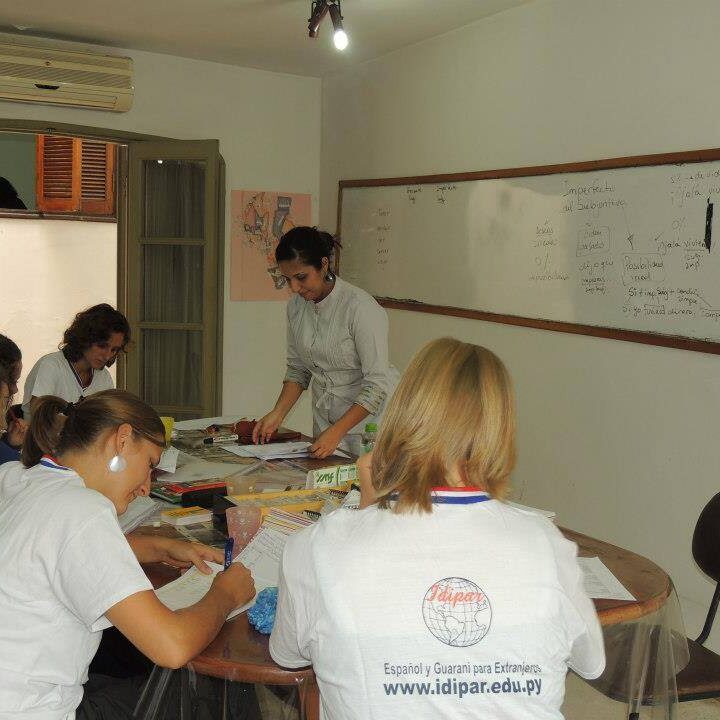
(368, 436)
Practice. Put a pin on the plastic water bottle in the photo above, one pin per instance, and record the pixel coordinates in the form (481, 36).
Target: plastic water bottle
(368, 436)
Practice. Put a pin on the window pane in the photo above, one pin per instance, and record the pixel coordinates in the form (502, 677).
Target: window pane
(174, 198)
(173, 283)
(189, 415)
(172, 367)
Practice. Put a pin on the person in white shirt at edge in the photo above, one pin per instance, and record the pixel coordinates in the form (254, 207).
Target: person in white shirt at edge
(11, 433)
(436, 599)
(337, 342)
(68, 571)
(90, 345)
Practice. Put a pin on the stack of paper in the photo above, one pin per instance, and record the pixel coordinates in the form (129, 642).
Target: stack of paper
(261, 556)
(168, 459)
(138, 511)
(286, 522)
(600, 583)
(352, 499)
(192, 587)
(271, 451)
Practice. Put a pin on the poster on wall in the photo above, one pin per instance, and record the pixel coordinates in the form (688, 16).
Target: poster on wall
(259, 219)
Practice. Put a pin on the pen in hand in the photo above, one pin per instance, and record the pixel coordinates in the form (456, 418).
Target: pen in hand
(228, 552)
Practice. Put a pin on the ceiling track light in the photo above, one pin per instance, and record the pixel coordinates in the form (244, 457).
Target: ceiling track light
(340, 38)
(318, 10)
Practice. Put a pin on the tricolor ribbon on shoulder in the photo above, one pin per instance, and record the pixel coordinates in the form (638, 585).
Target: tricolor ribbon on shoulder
(458, 495)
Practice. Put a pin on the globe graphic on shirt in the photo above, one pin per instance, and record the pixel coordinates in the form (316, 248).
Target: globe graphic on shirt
(456, 611)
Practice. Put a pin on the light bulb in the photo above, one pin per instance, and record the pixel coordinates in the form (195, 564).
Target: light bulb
(340, 39)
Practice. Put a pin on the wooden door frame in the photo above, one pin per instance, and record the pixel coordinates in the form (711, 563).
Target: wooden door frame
(122, 138)
(208, 152)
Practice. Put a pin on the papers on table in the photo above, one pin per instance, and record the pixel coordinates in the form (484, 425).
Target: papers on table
(270, 451)
(352, 500)
(168, 459)
(191, 587)
(600, 583)
(189, 469)
(202, 423)
(285, 522)
(261, 556)
(138, 511)
(263, 553)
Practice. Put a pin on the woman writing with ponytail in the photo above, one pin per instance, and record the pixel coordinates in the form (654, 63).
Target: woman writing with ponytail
(68, 571)
(337, 342)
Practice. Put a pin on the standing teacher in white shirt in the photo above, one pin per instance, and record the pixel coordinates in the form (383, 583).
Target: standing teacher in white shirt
(89, 347)
(337, 343)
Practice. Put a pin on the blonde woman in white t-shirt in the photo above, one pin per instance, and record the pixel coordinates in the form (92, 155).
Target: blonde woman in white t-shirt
(67, 570)
(436, 599)
(92, 343)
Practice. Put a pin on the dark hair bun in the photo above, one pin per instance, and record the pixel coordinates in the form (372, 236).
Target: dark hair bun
(306, 244)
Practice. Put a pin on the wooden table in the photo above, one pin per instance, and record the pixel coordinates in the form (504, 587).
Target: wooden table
(648, 582)
(240, 653)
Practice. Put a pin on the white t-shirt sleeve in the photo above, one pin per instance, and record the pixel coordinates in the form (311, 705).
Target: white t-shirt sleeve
(587, 657)
(296, 371)
(101, 381)
(44, 379)
(96, 569)
(289, 641)
(370, 332)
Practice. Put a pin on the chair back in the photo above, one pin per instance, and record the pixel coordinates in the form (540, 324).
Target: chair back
(706, 539)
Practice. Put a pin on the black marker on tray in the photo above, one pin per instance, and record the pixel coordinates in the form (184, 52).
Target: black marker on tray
(220, 439)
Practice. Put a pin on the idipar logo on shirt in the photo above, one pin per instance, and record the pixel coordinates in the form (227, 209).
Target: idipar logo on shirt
(457, 612)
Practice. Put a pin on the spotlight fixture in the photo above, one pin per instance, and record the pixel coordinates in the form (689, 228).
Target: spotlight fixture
(340, 37)
(318, 10)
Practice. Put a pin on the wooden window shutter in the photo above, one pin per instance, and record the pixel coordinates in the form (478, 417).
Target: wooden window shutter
(75, 176)
(58, 174)
(97, 178)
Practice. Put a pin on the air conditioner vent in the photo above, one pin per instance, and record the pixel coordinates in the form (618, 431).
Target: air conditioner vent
(31, 74)
(44, 75)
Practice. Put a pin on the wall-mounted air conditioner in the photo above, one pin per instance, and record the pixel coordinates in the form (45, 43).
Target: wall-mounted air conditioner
(78, 79)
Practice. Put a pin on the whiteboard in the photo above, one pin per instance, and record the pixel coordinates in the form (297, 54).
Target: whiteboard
(625, 248)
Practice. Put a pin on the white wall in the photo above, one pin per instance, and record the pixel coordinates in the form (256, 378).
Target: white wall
(268, 125)
(48, 283)
(620, 439)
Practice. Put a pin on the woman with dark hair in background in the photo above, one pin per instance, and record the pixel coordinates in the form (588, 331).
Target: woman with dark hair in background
(12, 431)
(337, 343)
(9, 198)
(90, 345)
(68, 572)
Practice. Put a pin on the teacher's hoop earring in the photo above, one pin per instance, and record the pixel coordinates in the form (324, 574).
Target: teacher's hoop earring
(329, 276)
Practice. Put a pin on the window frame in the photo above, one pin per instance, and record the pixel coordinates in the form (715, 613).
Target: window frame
(123, 139)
